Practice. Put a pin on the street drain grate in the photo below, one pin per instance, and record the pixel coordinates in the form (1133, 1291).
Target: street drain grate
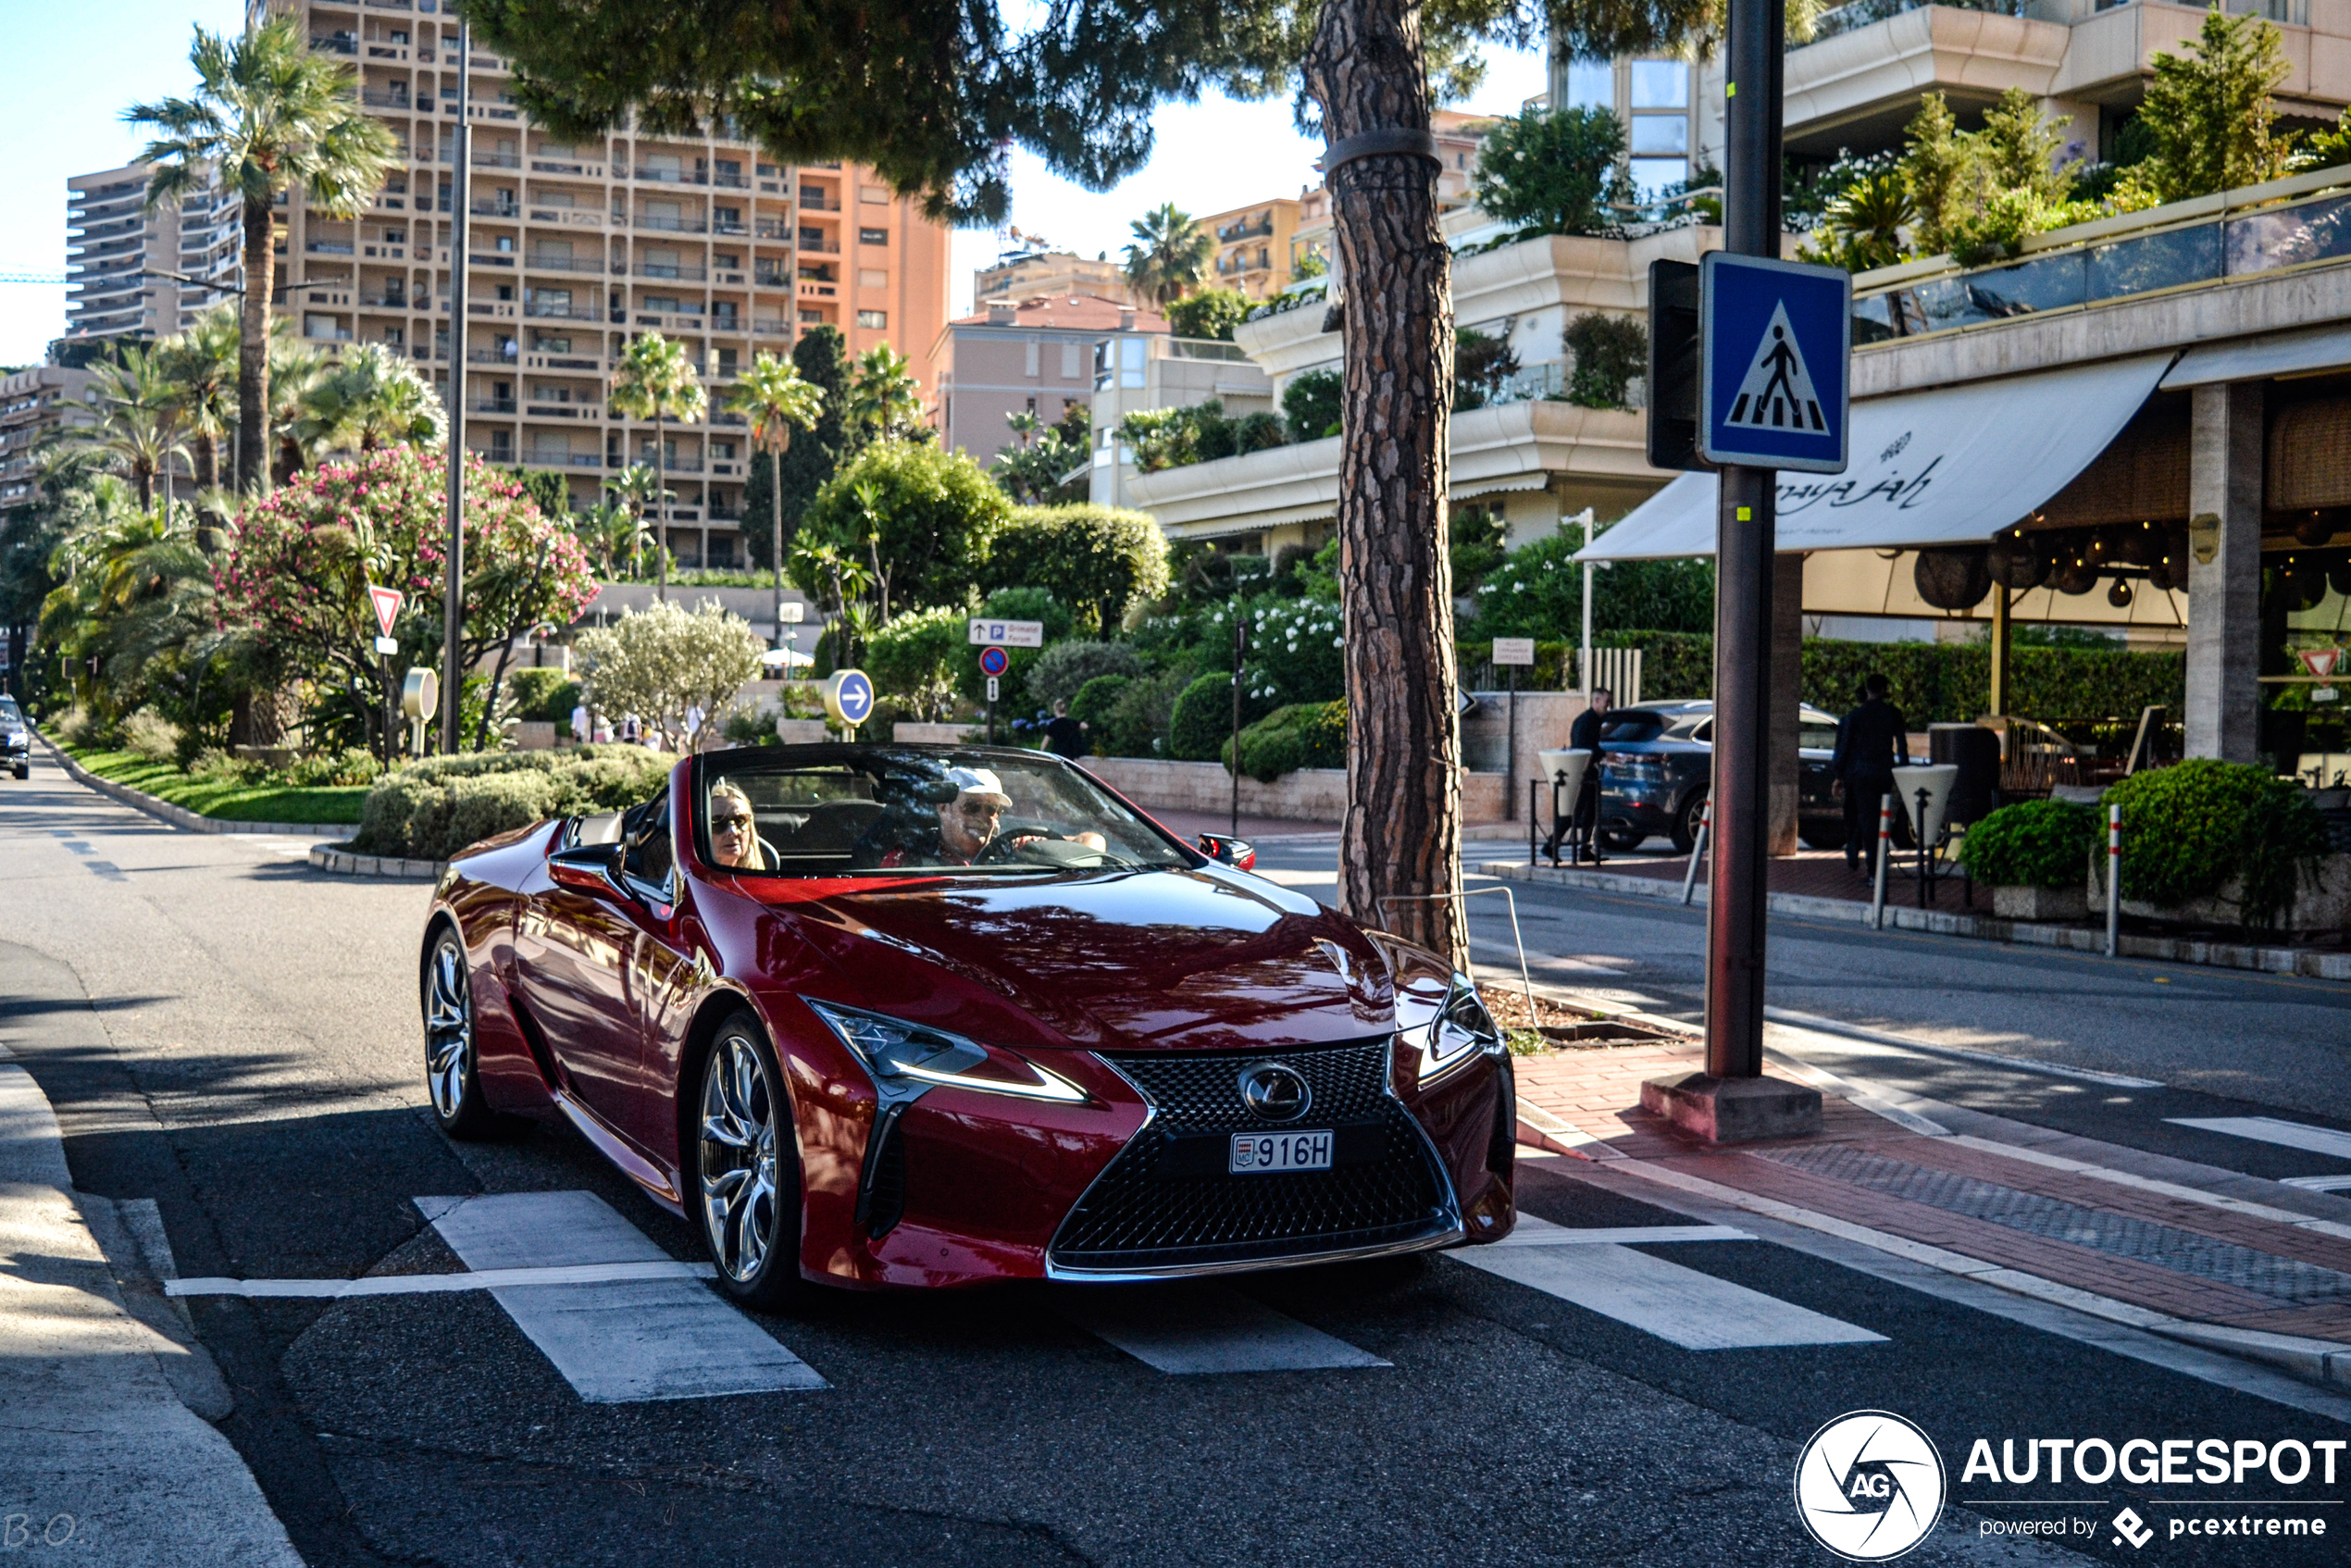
(2184, 1251)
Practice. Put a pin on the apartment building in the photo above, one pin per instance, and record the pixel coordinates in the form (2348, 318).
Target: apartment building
(1254, 246)
(140, 274)
(1857, 83)
(575, 247)
(1036, 356)
(1026, 275)
(33, 404)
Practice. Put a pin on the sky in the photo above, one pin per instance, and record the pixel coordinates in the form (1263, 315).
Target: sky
(73, 67)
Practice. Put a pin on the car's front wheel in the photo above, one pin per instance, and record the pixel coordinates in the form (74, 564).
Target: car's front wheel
(1686, 822)
(747, 1168)
(452, 1060)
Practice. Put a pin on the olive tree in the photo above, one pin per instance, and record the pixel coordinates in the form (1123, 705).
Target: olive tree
(661, 663)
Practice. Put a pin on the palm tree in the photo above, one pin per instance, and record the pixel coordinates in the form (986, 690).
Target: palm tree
(201, 366)
(655, 379)
(611, 532)
(296, 372)
(136, 409)
(638, 490)
(774, 396)
(1025, 424)
(372, 397)
(1170, 254)
(268, 115)
(884, 398)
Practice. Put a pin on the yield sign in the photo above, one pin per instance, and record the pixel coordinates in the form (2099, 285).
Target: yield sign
(387, 602)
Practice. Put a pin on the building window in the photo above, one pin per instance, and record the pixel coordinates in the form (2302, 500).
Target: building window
(1591, 84)
(1660, 85)
(873, 236)
(1661, 134)
(1029, 368)
(1651, 176)
(874, 196)
(874, 320)
(872, 278)
(1069, 362)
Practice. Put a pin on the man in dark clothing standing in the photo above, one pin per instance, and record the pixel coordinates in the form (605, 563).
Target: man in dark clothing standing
(1584, 735)
(1870, 740)
(1064, 737)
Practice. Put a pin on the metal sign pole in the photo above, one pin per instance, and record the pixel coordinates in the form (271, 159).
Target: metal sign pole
(1240, 646)
(453, 590)
(1736, 888)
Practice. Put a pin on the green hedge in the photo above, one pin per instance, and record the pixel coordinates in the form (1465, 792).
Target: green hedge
(1302, 735)
(1933, 682)
(2032, 844)
(2188, 828)
(432, 809)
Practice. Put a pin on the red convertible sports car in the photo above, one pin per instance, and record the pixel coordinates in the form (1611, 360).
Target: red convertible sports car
(898, 1016)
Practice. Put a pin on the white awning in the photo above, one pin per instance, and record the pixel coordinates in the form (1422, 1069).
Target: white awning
(2281, 354)
(1954, 465)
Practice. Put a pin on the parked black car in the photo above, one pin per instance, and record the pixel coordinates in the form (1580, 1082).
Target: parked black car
(1656, 759)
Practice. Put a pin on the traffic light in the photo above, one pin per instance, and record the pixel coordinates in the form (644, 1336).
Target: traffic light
(1674, 366)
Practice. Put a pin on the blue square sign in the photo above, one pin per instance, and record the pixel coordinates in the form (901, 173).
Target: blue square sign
(1778, 355)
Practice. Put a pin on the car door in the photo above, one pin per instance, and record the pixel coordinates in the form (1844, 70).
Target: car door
(581, 955)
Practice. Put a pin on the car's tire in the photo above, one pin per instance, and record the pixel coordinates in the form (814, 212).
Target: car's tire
(453, 1054)
(24, 770)
(1620, 840)
(746, 1168)
(1684, 829)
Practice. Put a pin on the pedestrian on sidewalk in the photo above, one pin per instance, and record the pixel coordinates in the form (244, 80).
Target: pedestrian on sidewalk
(1065, 736)
(1584, 735)
(1870, 741)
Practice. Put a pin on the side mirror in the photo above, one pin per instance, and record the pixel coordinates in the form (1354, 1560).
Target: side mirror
(1239, 854)
(588, 868)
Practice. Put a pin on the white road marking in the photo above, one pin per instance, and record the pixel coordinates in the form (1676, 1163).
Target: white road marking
(2318, 1183)
(624, 1340)
(435, 1283)
(1855, 1032)
(2269, 1129)
(1681, 1305)
(1533, 1232)
(1194, 1329)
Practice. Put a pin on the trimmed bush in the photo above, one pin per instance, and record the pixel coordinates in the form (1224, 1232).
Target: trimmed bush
(2188, 828)
(542, 694)
(434, 808)
(1097, 560)
(1200, 728)
(1097, 699)
(1140, 714)
(1064, 670)
(1302, 735)
(2032, 844)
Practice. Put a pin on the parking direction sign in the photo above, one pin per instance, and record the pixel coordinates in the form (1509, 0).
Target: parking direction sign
(1777, 363)
(1008, 634)
(993, 662)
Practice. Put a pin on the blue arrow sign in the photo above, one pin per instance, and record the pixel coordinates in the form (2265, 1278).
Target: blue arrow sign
(850, 697)
(1778, 356)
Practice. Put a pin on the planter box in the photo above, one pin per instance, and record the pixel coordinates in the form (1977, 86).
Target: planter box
(2324, 906)
(910, 733)
(802, 731)
(2040, 903)
(1311, 794)
(535, 735)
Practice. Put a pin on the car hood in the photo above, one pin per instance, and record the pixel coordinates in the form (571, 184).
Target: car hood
(1203, 960)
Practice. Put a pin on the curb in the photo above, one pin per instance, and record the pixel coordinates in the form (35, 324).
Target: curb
(339, 860)
(179, 817)
(2174, 950)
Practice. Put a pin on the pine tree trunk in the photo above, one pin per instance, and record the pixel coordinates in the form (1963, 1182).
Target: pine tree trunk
(1403, 836)
(253, 346)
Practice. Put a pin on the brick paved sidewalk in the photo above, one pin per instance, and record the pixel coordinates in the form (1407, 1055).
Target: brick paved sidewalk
(2089, 1216)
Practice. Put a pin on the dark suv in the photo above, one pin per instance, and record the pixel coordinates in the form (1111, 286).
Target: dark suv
(1656, 759)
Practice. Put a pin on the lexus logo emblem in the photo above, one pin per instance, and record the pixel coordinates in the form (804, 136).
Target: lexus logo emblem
(1275, 1093)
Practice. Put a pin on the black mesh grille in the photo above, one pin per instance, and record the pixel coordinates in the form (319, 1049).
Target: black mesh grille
(886, 1198)
(1154, 1206)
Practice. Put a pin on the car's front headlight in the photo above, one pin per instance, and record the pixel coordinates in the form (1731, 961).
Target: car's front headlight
(1460, 1030)
(904, 1057)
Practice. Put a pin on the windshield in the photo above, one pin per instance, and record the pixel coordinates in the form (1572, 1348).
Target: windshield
(845, 811)
(8, 713)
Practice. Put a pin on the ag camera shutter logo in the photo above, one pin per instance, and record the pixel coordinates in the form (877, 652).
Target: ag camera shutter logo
(1868, 1486)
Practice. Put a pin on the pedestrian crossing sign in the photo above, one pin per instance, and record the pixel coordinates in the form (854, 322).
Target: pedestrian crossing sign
(1776, 360)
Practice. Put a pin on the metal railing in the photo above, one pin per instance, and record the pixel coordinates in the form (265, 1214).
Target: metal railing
(1862, 13)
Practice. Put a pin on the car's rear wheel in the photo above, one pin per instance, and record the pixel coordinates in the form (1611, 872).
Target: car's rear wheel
(747, 1168)
(1686, 822)
(453, 1061)
(1623, 840)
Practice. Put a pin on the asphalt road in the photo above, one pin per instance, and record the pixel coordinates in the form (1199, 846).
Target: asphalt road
(233, 1036)
(2222, 1042)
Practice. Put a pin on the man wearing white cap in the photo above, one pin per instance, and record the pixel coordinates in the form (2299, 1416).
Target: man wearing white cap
(966, 822)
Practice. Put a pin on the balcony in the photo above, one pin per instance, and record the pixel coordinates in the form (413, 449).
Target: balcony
(540, 263)
(491, 159)
(335, 44)
(539, 310)
(377, 99)
(771, 228)
(328, 247)
(668, 225)
(574, 217)
(494, 209)
(1249, 230)
(384, 301)
(731, 181)
(816, 201)
(490, 405)
(490, 356)
(577, 170)
(671, 271)
(667, 175)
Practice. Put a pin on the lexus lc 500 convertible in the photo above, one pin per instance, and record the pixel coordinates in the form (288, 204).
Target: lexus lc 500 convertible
(895, 1015)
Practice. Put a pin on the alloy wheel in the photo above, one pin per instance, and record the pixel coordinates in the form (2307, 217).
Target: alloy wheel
(739, 1134)
(449, 1031)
